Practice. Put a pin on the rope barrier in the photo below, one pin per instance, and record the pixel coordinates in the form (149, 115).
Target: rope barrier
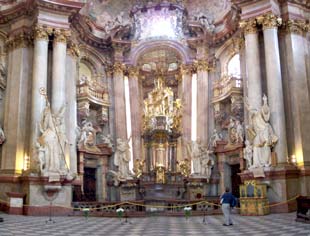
(156, 206)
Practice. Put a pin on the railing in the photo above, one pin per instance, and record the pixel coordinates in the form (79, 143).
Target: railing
(94, 92)
(210, 205)
(226, 85)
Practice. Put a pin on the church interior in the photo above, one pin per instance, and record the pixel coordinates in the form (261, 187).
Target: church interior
(154, 105)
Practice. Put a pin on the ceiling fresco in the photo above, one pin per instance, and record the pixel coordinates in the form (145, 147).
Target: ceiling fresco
(110, 14)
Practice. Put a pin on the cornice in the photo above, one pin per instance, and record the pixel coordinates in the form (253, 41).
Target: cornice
(85, 34)
(59, 6)
(15, 12)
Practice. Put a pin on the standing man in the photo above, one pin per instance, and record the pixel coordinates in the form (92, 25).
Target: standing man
(228, 201)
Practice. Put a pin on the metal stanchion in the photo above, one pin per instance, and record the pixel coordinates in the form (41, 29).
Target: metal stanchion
(50, 220)
(126, 219)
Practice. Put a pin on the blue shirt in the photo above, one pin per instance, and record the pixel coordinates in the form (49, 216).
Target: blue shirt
(227, 198)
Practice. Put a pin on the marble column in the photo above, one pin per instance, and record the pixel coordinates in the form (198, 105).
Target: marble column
(39, 80)
(185, 93)
(71, 101)
(252, 63)
(119, 102)
(202, 101)
(274, 83)
(17, 104)
(297, 92)
(59, 70)
(136, 113)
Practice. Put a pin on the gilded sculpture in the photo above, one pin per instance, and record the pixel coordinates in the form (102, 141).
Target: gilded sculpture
(160, 103)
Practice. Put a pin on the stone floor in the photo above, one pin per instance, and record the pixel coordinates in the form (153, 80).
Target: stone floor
(270, 225)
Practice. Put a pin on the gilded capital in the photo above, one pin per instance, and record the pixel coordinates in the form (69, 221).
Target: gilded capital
(133, 71)
(269, 21)
(21, 40)
(186, 69)
(61, 35)
(249, 26)
(296, 27)
(202, 65)
(42, 33)
(118, 67)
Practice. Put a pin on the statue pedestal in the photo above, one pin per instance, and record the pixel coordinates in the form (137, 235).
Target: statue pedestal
(15, 203)
(282, 185)
(43, 196)
(128, 191)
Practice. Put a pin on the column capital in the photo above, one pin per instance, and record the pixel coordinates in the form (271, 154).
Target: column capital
(269, 21)
(20, 40)
(119, 67)
(249, 26)
(202, 65)
(41, 32)
(299, 27)
(186, 69)
(133, 71)
(61, 35)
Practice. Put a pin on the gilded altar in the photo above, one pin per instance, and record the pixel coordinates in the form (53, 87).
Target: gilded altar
(161, 128)
(253, 199)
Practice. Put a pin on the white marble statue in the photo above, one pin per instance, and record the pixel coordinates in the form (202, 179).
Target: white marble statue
(122, 158)
(214, 138)
(232, 132)
(240, 132)
(207, 163)
(51, 144)
(248, 154)
(2, 136)
(3, 72)
(87, 138)
(195, 152)
(106, 139)
(261, 134)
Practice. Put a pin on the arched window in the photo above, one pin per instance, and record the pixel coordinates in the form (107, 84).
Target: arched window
(233, 67)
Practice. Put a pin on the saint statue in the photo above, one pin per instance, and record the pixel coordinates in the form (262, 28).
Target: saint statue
(239, 131)
(214, 138)
(51, 144)
(122, 158)
(87, 139)
(196, 150)
(207, 163)
(248, 154)
(232, 132)
(2, 136)
(261, 134)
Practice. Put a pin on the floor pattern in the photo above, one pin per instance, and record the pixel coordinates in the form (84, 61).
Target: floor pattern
(270, 225)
